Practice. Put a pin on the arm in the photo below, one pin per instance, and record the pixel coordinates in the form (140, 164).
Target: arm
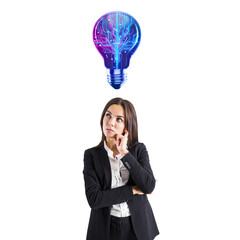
(140, 170)
(98, 198)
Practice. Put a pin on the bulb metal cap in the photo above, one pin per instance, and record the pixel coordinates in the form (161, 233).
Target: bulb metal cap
(116, 77)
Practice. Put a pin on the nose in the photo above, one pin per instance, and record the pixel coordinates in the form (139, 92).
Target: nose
(111, 122)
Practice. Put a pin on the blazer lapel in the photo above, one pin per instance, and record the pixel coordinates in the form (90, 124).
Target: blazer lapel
(106, 167)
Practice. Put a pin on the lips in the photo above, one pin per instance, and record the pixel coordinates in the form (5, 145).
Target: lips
(109, 130)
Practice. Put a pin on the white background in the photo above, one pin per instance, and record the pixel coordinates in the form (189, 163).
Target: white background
(184, 82)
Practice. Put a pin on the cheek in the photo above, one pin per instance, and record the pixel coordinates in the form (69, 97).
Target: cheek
(104, 131)
(120, 127)
(104, 122)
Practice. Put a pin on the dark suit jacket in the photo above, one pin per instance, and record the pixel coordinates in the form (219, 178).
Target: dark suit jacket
(100, 196)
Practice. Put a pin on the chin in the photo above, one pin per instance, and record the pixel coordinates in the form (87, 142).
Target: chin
(109, 134)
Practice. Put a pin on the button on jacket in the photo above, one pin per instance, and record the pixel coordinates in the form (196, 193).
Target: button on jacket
(100, 196)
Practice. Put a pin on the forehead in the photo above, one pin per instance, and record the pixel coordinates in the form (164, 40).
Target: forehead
(116, 110)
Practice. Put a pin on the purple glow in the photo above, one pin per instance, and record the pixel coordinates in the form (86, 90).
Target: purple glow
(116, 35)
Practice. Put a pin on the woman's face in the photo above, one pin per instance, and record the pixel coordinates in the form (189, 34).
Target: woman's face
(113, 121)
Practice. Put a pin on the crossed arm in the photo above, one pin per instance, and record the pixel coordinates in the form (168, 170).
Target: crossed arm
(141, 174)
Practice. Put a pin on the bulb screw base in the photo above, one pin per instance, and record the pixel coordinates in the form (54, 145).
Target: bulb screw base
(116, 77)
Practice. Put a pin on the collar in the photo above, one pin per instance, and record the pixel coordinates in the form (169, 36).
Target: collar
(110, 152)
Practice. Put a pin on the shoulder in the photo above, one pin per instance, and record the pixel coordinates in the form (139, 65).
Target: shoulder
(93, 151)
(138, 145)
(137, 148)
(92, 156)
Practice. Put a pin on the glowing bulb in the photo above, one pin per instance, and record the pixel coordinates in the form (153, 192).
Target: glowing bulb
(116, 36)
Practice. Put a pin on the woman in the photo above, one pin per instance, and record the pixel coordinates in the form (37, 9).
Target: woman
(118, 176)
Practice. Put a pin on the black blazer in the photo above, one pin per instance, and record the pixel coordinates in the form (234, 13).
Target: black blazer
(100, 196)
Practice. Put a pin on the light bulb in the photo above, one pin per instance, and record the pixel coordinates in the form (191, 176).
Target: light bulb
(116, 36)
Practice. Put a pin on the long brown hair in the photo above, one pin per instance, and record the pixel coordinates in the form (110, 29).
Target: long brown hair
(130, 117)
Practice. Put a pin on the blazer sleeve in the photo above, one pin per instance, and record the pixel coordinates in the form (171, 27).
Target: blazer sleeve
(98, 198)
(140, 169)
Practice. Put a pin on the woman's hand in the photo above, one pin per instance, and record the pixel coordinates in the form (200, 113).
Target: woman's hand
(136, 190)
(121, 143)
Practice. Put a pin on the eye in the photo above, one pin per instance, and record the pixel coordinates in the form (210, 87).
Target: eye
(108, 115)
(119, 119)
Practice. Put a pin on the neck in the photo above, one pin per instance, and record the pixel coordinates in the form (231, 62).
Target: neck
(112, 146)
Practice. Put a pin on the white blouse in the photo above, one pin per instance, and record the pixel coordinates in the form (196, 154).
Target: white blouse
(120, 176)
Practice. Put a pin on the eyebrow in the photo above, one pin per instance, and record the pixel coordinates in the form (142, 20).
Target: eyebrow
(117, 115)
